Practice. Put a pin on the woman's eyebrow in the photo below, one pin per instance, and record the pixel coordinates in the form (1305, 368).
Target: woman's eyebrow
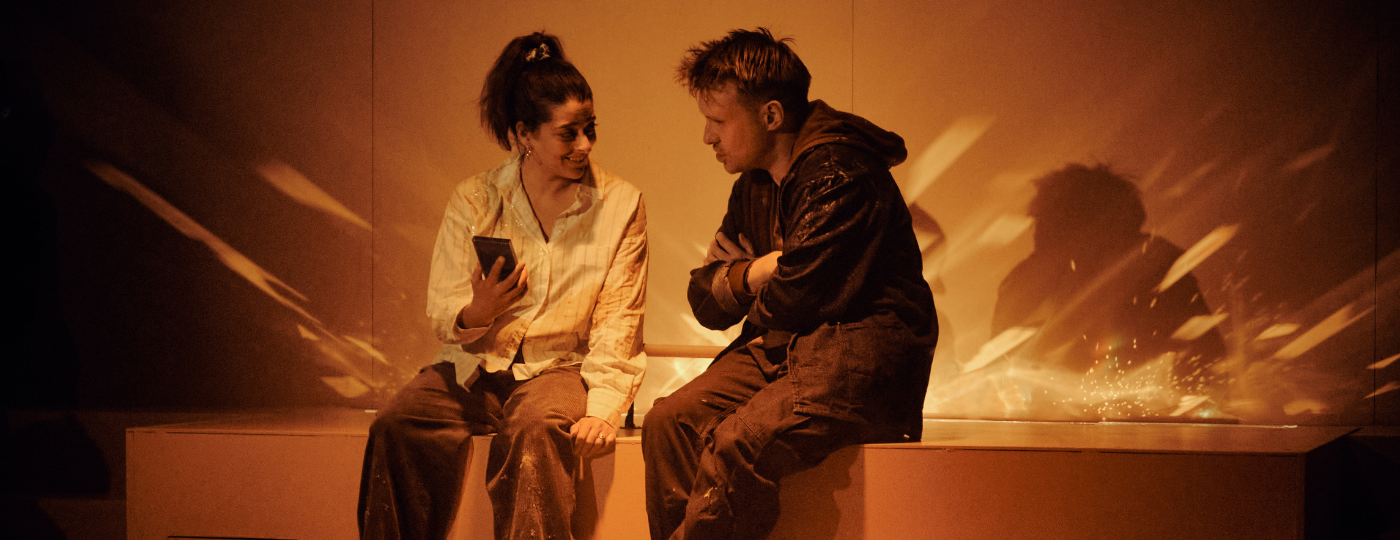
(583, 121)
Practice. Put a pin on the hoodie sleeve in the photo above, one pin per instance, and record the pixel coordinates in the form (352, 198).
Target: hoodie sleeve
(835, 226)
(716, 303)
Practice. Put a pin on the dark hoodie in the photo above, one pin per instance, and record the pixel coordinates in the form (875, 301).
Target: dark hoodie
(848, 302)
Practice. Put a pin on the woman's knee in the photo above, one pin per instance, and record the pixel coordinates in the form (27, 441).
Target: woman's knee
(389, 425)
(536, 424)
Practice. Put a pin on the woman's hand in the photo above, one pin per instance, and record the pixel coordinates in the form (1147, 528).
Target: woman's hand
(492, 296)
(593, 437)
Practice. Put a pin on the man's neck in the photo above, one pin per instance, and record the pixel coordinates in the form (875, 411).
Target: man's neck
(782, 156)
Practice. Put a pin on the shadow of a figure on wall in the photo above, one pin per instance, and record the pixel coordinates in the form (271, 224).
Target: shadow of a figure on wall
(1096, 286)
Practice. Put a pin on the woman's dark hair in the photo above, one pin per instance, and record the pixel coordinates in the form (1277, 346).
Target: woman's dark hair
(529, 77)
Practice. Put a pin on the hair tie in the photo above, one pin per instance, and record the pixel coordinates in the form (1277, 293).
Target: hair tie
(538, 53)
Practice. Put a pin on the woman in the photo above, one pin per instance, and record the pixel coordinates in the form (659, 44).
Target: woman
(548, 356)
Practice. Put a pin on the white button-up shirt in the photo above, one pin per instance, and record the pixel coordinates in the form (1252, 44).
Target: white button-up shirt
(587, 284)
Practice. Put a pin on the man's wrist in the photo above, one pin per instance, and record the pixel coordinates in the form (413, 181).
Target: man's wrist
(739, 280)
(747, 289)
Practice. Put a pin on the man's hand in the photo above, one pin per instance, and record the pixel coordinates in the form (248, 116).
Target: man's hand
(724, 249)
(761, 270)
(593, 437)
(492, 296)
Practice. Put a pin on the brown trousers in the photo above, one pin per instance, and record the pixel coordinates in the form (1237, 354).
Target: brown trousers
(416, 456)
(716, 448)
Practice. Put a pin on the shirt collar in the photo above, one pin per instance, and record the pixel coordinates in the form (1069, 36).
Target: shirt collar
(508, 184)
(508, 179)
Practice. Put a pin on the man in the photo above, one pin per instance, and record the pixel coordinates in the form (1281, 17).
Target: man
(817, 251)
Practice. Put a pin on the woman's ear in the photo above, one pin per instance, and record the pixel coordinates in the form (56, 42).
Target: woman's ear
(517, 135)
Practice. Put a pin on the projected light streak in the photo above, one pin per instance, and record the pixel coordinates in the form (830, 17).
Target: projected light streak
(368, 349)
(230, 257)
(1197, 326)
(710, 337)
(1265, 389)
(348, 386)
(1300, 406)
(1188, 184)
(942, 152)
(676, 371)
(1390, 386)
(336, 349)
(1198, 253)
(1334, 323)
(1311, 157)
(1276, 331)
(301, 189)
(1383, 363)
(974, 239)
(347, 354)
(1188, 403)
(1004, 230)
(998, 346)
(698, 250)
(1156, 171)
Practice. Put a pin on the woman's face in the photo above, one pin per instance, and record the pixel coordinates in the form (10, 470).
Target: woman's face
(560, 146)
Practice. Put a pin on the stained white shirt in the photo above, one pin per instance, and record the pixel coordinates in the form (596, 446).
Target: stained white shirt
(587, 284)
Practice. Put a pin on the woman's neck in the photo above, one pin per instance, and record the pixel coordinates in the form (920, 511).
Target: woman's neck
(539, 183)
(549, 195)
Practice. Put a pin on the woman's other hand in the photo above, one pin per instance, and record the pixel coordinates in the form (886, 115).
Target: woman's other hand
(593, 437)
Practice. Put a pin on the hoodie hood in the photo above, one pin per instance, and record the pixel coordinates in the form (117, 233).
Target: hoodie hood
(826, 125)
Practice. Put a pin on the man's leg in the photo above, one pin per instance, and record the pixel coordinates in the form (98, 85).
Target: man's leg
(673, 429)
(530, 472)
(414, 458)
(735, 494)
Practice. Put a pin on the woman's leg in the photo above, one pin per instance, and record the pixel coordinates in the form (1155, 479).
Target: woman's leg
(414, 459)
(530, 472)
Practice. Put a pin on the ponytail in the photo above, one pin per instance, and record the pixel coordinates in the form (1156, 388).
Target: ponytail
(529, 78)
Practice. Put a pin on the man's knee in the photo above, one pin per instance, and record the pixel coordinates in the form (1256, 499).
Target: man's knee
(664, 411)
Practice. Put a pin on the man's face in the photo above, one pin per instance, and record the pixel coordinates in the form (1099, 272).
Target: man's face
(735, 130)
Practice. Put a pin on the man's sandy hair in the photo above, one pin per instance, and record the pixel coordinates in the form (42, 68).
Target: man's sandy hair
(762, 68)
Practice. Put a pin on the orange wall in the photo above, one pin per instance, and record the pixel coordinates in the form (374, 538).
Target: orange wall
(307, 149)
